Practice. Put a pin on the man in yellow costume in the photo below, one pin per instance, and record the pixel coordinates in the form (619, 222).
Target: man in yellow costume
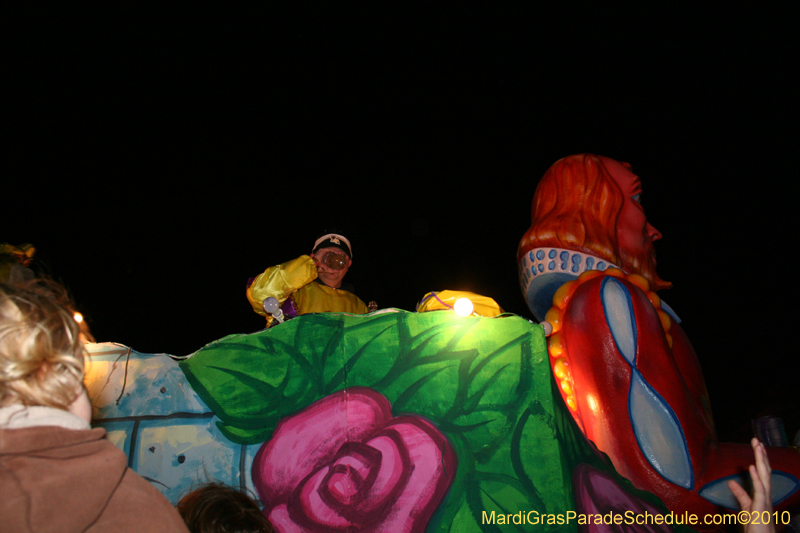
(311, 283)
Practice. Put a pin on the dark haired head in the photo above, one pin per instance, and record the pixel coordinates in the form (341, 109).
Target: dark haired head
(217, 508)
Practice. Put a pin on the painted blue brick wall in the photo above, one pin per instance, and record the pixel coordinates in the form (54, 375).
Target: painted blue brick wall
(152, 414)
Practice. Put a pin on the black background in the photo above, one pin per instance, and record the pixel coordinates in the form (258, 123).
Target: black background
(159, 158)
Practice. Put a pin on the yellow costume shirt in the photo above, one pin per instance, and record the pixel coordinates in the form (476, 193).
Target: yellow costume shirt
(297, 276)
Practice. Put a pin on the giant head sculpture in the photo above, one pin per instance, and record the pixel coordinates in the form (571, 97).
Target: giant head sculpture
(620, 359)
(590, 205)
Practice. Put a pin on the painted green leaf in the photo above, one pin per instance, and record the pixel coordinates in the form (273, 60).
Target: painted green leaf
(484, 382)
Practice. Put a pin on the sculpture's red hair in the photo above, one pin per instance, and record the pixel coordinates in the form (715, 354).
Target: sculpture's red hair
(576, 206)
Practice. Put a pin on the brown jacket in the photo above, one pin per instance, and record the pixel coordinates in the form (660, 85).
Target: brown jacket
(61, 480)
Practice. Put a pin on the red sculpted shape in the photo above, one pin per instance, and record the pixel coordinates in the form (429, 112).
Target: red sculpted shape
(623, 364)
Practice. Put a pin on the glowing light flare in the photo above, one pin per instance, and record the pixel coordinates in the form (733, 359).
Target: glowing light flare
(560, 368)
(571, 403)
(594, 405)
(555, 343)
(463, 307)
(78, 317)
(553, 316)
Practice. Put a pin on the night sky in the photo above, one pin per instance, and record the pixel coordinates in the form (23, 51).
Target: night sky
(157, 160)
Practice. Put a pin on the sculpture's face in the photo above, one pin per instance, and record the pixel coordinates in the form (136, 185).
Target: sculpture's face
(635, 235)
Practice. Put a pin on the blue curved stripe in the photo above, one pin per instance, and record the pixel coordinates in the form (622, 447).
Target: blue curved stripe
(618, 308)
(717, 492)
(658, 431)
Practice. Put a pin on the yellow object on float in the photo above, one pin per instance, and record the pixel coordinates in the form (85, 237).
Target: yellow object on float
(441, 300)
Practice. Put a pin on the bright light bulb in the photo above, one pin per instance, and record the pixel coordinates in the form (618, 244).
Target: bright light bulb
(271, 305)
(463, 307)
(78, 317)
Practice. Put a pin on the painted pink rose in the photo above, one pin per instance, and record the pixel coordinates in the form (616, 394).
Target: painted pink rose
(345, 464)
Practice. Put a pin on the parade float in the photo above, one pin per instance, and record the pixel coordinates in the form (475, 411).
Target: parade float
(393, 421)
(595, 419)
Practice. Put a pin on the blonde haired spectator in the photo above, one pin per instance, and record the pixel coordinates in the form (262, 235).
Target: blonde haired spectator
(56, 472)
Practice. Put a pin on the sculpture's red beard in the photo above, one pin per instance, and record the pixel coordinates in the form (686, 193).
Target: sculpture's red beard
(643, 262)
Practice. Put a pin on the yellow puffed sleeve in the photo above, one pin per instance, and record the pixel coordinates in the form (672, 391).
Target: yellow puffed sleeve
(280, 281)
